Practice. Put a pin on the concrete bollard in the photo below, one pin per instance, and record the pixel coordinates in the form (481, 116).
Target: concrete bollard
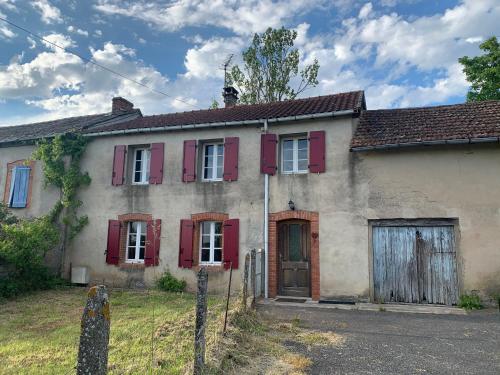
(94, 337)
(201, 318)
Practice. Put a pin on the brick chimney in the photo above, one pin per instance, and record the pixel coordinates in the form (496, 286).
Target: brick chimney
(230, 95)
(121, 105)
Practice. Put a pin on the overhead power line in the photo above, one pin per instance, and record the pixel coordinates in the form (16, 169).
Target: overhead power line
(94, 63)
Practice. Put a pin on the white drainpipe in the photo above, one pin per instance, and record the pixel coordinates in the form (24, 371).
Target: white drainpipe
(266, 228)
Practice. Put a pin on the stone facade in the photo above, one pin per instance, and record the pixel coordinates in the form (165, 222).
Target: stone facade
(457, 182)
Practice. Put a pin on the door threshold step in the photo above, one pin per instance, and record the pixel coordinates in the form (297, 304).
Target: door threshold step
(291, 299)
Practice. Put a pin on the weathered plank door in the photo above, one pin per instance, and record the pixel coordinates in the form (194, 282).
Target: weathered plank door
(415, 264)
(294, 258)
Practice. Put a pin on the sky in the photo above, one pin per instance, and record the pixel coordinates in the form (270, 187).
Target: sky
(403, 53)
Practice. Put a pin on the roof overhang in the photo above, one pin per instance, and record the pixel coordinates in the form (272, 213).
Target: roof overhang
(426, 143)
(270, 121)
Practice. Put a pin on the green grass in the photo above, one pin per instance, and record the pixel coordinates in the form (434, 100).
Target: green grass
(39, 332)
(470, 302)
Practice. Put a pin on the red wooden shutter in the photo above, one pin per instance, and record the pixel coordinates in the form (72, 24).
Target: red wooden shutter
(153, 233)
(231, 145)
(268, 153)
(189, 162)
(317, 152)
(231, 239)
(113, 249)
(156, 165)
(119, 165)
(186, 244)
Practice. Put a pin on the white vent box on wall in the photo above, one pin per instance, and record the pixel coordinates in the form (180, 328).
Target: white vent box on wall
(80, 275)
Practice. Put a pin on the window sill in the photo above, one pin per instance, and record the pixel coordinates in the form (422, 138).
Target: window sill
(221, 180)
(211, 268)
(140, 184)
(129, 265)
(294, 173)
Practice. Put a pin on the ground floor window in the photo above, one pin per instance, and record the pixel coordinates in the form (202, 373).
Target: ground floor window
(211, 242)
(136, 241)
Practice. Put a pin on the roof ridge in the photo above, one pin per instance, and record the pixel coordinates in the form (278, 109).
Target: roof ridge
(256, 105)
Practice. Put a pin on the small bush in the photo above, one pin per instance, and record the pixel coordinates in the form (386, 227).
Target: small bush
(23, 245)
(470, 302)
(170, 284)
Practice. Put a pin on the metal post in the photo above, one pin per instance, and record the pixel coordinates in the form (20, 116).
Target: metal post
(228, 295)
(253, 275)
(245, 281)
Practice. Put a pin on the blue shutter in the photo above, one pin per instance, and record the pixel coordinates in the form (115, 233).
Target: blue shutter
(19, 187)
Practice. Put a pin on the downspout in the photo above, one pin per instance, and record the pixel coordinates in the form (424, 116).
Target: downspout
(266, 228)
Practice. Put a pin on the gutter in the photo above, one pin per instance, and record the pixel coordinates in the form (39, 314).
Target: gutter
(221, 124)
(426, 143)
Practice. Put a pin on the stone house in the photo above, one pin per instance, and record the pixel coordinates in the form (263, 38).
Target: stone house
(399, 205)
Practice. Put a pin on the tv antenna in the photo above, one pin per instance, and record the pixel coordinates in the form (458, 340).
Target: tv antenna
(225, 66)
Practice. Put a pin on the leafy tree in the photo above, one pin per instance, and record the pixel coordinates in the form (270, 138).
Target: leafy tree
(483, 72)
(215, 104)
(271, 65)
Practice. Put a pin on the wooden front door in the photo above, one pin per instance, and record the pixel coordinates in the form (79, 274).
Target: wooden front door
(294, 247)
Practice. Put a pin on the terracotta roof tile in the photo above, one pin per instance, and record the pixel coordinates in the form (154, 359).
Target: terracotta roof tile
(427, 124)
(321, 104)
(30, 132)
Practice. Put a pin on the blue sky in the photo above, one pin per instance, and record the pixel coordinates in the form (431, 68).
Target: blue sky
(401, 52)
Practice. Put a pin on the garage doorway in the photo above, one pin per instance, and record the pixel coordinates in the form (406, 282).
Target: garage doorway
(415, 261)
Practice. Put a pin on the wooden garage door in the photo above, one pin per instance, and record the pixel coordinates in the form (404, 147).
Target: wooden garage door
(415, 264)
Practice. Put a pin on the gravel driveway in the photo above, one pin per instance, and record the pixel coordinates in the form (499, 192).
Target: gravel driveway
(395, 343)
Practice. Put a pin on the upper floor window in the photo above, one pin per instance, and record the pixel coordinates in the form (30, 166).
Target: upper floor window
(294, 155)
(211, 242)
(142, 158)
(136, 241)
(213, 161)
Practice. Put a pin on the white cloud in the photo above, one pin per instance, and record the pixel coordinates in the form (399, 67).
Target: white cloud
(180, 103)
(32, 42)
(97, 33)
(60, 40)
(75, 30)
(365, 10)
(50, 14)
(63, 85)
(370, 50)
(429, 45)
(205, 59)
(240, 16)
(5, 31)
(8, 4)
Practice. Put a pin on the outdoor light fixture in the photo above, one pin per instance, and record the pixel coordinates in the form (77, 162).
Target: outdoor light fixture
(291, 205)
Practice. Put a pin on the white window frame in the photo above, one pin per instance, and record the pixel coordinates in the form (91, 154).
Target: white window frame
(140, 225)
(211, 262)
(145, 166)
(214, 162)
(295, 168)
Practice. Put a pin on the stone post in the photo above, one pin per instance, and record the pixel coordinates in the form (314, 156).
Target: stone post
(201, 317)
(94, 337)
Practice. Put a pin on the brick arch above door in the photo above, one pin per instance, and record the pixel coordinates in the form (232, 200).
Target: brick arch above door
(274, 219)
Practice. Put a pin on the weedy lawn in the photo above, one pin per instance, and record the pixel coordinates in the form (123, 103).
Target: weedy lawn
(39, 333)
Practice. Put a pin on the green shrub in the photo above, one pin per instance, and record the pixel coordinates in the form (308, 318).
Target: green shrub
(169, 283)
(23, 245)
(470, 302)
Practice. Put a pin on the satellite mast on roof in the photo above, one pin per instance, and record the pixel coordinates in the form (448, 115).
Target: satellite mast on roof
(225, 66)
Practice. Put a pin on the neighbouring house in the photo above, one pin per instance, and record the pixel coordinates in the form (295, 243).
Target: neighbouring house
(399, 205)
